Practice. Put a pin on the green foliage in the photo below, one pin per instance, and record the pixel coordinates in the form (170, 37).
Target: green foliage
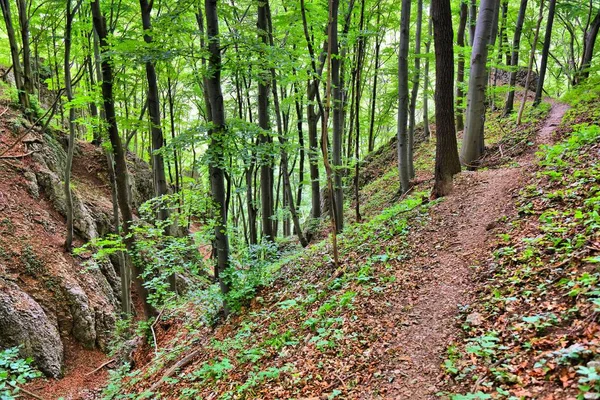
(14, 371)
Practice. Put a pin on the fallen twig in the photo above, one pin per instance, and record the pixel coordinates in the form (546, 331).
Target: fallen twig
(100, 367)
(27, 392)
(18, 155)
(184, 362)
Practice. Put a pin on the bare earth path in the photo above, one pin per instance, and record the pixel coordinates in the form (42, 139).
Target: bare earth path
(457, 237)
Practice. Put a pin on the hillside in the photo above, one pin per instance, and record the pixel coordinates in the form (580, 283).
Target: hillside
(359, 331)
(59, 308)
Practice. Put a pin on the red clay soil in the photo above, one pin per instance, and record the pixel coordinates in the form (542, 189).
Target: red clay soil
(458, 235)
(83, 380)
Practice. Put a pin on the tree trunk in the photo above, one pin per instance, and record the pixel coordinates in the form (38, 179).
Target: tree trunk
(514, 59)
(338, 195)
(531, 60)
(447, 163)
(217, 133)
(403, 166)
(545, 51)
(122, 175)
(426, 130)
(312, 119)
(359, 66)
(14, 52)
(265, 140)
(460, 69)
(472, 21)
(589, 43)
(71, 145)
(158, 164)
(371, 144)
(472, 147)
(415, 90)
(24, 22)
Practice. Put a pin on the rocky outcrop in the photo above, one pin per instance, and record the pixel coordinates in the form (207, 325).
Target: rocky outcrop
(24, 323)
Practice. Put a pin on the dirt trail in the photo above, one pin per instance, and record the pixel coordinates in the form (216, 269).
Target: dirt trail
(456, 238)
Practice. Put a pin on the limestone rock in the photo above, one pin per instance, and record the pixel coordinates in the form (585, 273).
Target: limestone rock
(24, 323)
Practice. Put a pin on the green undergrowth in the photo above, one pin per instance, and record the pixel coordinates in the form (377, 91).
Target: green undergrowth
(14, 372)
(313, 323)
(533, 331)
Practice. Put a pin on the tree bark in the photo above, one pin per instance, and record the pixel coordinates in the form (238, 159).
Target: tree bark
(514, 59)
(588, 53)
(531, 60)
(426, 130)
(545, 51)
(71, 145)
(402, 133)
(217, 141)
(14, 52)
(122, 175)
(447, 163)
(472, 147)
(371, 144)
(24, 22)
(472, 21)
(415, 90)
(460, 68)
(265, 140)
(338, 195)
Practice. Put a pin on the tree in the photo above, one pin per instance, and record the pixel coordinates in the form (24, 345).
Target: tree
(589, 43)
(472, 147)
(338, 195)
(545, 52)
(460, 69)
(514, 59)
(415, 90)
(71, 147)
(402, 132)
(266, 165)
(447, 163)
(122, 175)
(531, 60)
(217, 142)
(14, 52)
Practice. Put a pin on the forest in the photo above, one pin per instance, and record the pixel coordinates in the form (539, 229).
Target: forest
(292, 199)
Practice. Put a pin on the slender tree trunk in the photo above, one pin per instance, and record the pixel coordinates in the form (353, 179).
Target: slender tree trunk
(415, 90)
(122, 175)
(472, 21)
(588, 53)
(531, 60)
(447, 163)
(403, 166)
(426, 129)
(514, 60)
(170, 90)
(24, 22)
(472, 147)
(359, 66)
(460, 69)
(217, 133)
(287, 186)
(338, 195)
(545, 51)
(265, 140)
(14, 52)
(299, 120)
(312, 119)
(71, 145)
(371, 144)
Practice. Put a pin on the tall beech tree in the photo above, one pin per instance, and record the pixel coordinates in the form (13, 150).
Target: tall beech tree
(460, 68)
(545, 52)
(217, 135)
(472, 147)
(447, 163)
(402, 128)
(122, 175)
(514, 59)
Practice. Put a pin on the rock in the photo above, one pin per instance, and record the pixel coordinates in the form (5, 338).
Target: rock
(84, 324)
(32, 184)
(474, 319)
(24, 323)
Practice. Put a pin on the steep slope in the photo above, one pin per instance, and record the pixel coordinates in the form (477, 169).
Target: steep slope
(51, 301)
(374, 327)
